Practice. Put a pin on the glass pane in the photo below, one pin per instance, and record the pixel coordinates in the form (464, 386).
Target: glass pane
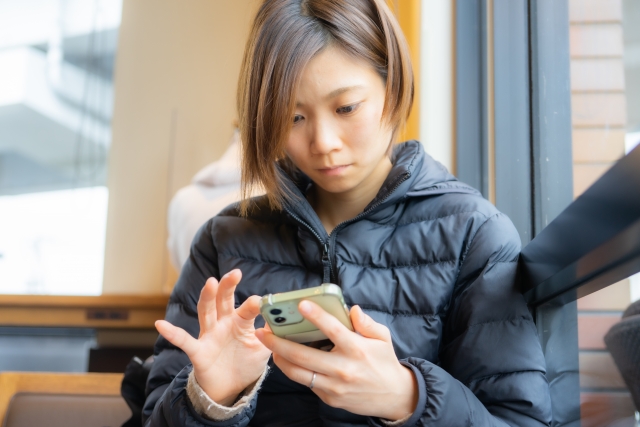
(56, 92)
(605, 87)
(607, 356)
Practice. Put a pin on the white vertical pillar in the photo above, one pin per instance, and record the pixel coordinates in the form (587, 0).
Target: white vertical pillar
(437, 80)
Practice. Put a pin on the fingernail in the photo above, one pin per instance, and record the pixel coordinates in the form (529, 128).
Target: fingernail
(304, 307)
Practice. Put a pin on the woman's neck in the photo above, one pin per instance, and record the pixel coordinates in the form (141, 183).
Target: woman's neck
(335, 208)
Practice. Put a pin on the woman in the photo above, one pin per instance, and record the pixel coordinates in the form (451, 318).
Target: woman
(443, 337)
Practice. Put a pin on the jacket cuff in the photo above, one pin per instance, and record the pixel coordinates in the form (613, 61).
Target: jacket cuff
(420, 407)
(206, 407)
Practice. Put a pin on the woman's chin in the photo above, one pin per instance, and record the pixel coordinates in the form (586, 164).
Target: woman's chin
(335, 186)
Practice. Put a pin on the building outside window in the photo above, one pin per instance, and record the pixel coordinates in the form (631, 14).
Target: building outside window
(605, 92)
(56, 97)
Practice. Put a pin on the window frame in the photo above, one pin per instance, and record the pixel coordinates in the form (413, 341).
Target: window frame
(513, 142)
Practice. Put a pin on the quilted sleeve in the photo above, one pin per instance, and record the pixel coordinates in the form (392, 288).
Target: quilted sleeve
(492, 369)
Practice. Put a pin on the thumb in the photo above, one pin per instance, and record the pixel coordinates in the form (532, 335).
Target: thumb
(367, 327)
(249, 310)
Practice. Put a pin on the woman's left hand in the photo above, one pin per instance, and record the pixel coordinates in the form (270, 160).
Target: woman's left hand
(361, 374)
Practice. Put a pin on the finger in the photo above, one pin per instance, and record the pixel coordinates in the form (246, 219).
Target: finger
(367, 327)
(207, 313)
(298, 374)
(328, 324)
(178, 337)
(250, 309)
(225, 302)
(298, 354)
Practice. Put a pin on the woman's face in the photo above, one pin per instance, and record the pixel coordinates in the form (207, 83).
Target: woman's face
(338, 137)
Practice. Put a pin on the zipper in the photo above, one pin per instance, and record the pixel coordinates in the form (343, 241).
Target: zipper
(326, 264)
(326, 260)
(328, 251)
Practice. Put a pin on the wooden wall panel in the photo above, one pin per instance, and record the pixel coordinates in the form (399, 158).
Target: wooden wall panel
(408, 15)
(12, 383)
(175, 87)
(110, 312)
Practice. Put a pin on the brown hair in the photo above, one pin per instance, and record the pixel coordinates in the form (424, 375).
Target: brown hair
(285, 35)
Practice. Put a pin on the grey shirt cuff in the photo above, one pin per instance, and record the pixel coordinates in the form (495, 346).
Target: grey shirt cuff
(399, 422)
(207, 408)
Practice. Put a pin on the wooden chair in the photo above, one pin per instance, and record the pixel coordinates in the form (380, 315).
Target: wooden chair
(61, 399)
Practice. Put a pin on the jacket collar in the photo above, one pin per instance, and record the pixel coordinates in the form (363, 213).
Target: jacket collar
(414, 174)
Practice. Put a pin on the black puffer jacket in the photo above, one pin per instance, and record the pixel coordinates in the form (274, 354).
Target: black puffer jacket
(429, 258)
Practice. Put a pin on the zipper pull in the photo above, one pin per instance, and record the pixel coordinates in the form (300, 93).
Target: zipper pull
(326, 264)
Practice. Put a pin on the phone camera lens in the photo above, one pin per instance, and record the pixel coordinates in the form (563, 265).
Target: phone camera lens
(275, 311)
(280, 319)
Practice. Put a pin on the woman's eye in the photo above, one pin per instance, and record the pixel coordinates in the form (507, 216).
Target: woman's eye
(296, 118)
(347, 109)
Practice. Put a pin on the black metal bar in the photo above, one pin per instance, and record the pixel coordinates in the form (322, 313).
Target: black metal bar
(470, 33)
(609, 263)
(511, 113)
(552, 190)
(550, 111)
(591, 244)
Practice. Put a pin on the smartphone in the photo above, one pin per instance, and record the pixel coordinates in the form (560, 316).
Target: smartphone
(280, 311)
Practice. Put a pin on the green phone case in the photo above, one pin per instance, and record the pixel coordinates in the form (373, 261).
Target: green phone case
(280, 311)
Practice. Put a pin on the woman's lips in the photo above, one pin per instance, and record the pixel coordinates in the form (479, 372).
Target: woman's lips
(334, 170)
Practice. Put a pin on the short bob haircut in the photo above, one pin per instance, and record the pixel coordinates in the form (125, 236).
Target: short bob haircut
(285, 35)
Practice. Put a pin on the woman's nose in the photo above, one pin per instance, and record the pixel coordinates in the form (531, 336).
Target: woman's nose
(324, 139)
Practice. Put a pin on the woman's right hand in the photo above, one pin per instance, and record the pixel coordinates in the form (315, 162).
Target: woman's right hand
(227, 357)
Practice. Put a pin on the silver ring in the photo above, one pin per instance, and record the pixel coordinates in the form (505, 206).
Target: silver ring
(313, 379)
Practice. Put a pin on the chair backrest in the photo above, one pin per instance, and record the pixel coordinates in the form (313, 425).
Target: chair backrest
(52, 399)
(66, 410)
(623, 342)
(632, 310)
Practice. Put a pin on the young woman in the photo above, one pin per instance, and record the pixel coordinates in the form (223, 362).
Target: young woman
(443, 337)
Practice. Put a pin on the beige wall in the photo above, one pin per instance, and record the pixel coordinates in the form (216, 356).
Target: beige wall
(175, 81)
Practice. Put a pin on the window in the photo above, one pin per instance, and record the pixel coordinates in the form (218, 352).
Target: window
(544, 104)
(605, 92)
(56, 90)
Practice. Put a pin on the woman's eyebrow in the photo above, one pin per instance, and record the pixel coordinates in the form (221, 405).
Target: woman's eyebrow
(336, 92)
(342, 90)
